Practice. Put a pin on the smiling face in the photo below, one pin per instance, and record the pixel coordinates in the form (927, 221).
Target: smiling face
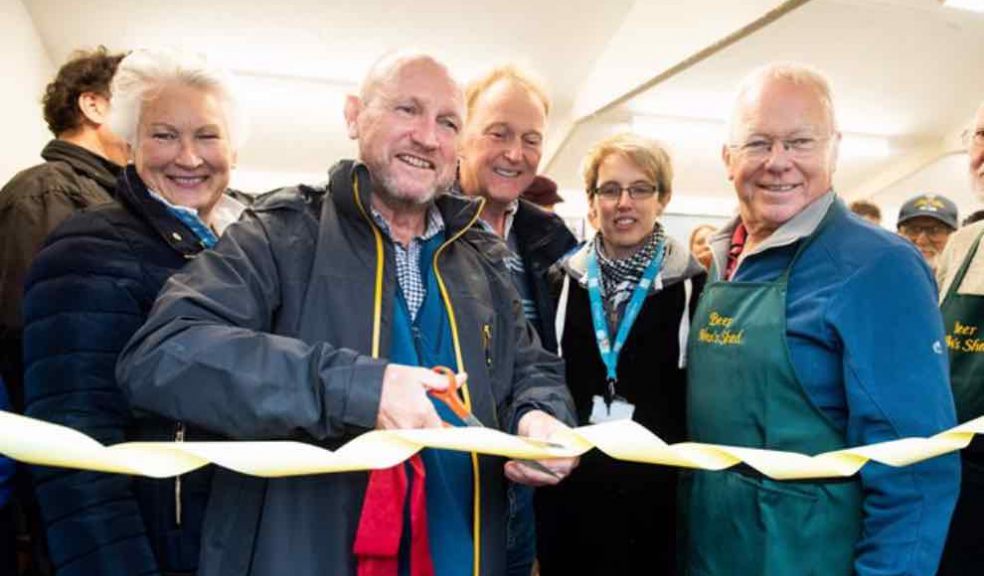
(928, 234)
(700, 244)
(777, 186)
(624, 222)
(182, 149)
(502, 142)
(407, 126)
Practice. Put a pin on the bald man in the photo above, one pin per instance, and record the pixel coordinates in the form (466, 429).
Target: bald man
(283, 331)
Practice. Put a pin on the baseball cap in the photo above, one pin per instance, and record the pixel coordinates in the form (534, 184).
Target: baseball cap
(932, 206)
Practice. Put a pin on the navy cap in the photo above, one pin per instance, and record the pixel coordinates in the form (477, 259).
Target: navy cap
(932, 206)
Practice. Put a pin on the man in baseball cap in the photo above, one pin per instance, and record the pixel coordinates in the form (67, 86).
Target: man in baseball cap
(928, 220)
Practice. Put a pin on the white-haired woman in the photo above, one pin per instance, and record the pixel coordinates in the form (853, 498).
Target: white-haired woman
(92, 286)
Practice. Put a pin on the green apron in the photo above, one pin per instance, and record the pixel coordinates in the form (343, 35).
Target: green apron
(963, 320)
(743, 391)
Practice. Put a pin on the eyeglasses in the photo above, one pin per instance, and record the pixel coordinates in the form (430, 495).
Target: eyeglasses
(973, 137)
(932, 231)
(760, 147)
(612, 191)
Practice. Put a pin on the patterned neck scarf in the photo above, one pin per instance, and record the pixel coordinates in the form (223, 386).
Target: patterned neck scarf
(619, 277)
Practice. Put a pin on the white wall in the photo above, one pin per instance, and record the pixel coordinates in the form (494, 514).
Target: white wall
(25, 69)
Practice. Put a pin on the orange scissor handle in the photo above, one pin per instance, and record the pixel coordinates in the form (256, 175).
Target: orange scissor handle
(450, 395)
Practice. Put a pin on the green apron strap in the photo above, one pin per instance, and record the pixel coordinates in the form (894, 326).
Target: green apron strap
(964, 266)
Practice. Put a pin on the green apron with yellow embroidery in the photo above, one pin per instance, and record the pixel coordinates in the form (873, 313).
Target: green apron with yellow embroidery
(743, 391)
(963, 320)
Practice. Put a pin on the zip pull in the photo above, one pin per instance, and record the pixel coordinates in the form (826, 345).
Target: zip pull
(487, 344)
(179, 436)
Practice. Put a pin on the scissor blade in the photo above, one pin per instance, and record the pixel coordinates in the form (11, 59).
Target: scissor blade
(471, 420)
(538, 467)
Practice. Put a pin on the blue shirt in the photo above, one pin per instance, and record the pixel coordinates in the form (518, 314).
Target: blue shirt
(422, 337)
(866, 341)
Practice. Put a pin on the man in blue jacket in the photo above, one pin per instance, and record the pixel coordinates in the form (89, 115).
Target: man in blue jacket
(318, 317)
(816, 332)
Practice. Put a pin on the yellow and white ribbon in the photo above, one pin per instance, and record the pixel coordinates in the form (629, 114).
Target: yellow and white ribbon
(37, 442)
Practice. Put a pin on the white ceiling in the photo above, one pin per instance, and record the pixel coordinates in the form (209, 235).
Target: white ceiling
(908, 70)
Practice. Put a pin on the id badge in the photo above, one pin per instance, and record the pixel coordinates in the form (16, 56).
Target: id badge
(620, 410)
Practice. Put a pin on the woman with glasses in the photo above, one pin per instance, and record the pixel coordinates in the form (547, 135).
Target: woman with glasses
(623, 321)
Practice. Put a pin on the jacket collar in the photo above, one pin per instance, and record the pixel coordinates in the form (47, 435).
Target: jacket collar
(678, 265)
(799, 226)
(83, 161)
(541, 235)
(132, 193)
(457, 212)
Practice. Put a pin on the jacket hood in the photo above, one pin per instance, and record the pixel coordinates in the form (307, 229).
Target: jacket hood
(678, 265)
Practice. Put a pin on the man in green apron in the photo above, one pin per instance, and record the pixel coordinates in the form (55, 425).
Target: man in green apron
(961, 278)
(816, 332)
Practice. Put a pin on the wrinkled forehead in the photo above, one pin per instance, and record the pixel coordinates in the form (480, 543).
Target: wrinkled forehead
(419, 78)
(508, 98)
(779, 107)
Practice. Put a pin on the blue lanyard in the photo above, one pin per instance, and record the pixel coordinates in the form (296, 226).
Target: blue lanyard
(609, 353)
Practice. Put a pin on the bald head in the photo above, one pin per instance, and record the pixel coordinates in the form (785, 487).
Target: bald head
(793, 73)
(407, 119)
(390, 64)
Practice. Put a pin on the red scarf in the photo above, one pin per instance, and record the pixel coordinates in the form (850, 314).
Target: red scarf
(377, 541)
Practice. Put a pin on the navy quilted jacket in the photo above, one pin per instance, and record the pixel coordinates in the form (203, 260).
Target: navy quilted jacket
(90, 288)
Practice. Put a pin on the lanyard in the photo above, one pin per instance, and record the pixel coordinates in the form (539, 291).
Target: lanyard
(609, 353)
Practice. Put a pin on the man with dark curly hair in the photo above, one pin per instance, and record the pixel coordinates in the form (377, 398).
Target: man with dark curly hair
(80, 169)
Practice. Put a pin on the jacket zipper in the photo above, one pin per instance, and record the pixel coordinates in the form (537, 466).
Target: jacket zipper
(459, 358)
(179, 436)
(487, 344)
(377, 309)
(418, 340)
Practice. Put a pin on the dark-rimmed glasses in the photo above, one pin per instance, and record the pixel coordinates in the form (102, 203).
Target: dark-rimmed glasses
(933, 231)
(612, 191)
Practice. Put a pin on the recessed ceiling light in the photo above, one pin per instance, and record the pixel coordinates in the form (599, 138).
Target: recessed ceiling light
(972, 5)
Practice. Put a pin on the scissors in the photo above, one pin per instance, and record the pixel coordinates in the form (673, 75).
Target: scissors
(452, 399)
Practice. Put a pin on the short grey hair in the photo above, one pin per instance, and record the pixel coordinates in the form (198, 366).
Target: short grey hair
(143, 73)
(793, 72)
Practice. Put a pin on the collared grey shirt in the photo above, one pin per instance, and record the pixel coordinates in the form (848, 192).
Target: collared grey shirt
(408, 273)
(799, 226)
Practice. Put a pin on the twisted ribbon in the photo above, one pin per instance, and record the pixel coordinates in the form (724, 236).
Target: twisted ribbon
(42, 443)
